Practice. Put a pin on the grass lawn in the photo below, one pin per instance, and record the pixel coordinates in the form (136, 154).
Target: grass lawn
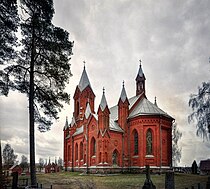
(75, 180)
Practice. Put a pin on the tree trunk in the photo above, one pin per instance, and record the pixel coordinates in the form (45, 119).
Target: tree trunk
(1, 176)
(31, 112)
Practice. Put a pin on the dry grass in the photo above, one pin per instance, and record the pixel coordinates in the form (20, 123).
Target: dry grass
(69, 180)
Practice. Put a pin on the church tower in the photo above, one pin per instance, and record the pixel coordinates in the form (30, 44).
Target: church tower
(83, 96)
(140, 82)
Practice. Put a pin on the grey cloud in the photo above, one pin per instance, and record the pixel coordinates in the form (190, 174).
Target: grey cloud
(171, 38)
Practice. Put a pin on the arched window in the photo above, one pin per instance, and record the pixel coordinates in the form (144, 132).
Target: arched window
(106, 157)
(77, 108)
(69, 155)
(115, 157)
(100, 157)
(136, 143)
(149, 142)
(93, 146)
(81, 150)
(76, 151)
(85, 158)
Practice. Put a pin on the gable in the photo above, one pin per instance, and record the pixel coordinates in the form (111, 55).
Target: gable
(79, 130)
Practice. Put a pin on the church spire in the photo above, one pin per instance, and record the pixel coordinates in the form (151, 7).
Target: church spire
(140, 81)
(140, 72)
(66, 124)
(123, 95)
(103, 114)
(123, 108)
(103, 103)
(84, 81)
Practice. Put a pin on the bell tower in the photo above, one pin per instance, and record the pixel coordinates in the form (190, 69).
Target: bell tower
(140, 81)
(83, 96)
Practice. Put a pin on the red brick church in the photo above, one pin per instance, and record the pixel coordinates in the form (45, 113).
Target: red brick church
(126, 137)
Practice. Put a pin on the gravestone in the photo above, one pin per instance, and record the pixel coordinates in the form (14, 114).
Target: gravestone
(208, 183)
(14, 180)
(169, 180)
(194, 167)
(148, 182)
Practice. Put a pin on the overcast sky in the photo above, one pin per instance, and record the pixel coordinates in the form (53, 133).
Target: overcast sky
(172, 38)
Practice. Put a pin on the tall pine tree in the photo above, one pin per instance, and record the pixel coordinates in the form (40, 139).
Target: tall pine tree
(1, 175)
(8, 26)
(42, 70)
(9, 21)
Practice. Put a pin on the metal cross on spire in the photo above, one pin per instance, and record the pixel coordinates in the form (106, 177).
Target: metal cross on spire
(84, 63)
(140, 62)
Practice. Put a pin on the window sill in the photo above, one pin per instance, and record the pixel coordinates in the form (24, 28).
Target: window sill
(149, 156)
(135, 156)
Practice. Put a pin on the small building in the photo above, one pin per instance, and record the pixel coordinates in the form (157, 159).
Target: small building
(15, 168)
(205, 167)
(52, 168)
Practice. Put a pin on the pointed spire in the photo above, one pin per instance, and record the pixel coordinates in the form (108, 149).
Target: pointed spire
(84, 63)
(123, 95)
(66, 124)
(84, 81)
(155, 103)
(103, 103)
(140, 72)
(140, 81)
(88, 110)
(73, 121)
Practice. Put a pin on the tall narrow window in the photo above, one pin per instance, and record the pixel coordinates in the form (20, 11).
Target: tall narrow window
(149, 142)
(77, 109)
(69, 155)
(81, 150)
(93, 147)
(76, 152)
(136, 144)
(100, 158)
(106, 157)
(85, 158)
(115, 157)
